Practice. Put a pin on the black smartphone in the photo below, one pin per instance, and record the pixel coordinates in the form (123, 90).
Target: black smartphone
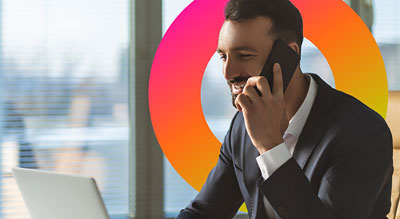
(288, 59)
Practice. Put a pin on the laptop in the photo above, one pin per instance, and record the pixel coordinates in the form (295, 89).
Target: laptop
(50, 195)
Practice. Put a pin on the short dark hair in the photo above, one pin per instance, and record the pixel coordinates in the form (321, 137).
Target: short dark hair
(286, 18)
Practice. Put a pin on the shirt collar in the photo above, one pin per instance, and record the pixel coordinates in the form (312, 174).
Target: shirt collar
(297, 122)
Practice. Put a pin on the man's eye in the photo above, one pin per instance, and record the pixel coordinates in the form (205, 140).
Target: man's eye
(222, 57)
(245, 56)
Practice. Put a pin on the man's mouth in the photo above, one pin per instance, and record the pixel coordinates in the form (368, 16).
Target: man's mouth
(237, 88)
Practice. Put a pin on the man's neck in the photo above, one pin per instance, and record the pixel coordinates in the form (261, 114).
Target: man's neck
(295, 93)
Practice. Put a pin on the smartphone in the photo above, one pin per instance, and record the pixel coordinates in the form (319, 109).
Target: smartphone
(288, 59)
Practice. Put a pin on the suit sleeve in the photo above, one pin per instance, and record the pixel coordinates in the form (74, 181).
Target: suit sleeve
(349, 188)
(220, 196)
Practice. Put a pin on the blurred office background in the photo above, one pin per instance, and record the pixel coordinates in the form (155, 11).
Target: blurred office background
(73, 95)
(64, 94)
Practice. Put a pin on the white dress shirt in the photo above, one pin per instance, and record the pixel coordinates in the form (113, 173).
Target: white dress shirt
(272, 159)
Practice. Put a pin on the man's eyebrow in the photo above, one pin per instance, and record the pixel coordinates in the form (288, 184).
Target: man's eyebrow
(239, 48)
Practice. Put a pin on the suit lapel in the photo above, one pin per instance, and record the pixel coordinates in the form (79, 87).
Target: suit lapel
(251, 171)
(317, 122)
(259, 205)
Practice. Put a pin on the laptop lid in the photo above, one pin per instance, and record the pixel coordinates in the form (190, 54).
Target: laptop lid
(50, 195)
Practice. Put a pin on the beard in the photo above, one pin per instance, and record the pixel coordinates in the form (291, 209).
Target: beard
(235, 80)
(233, 99)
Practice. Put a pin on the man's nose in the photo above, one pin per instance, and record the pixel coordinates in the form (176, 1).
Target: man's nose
(231, 69)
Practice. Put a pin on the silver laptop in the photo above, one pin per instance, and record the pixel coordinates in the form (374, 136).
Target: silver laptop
(50, 195)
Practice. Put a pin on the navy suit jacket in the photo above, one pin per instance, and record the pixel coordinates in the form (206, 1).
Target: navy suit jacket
(341, 168)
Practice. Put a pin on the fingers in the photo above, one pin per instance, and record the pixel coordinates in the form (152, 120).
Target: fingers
(261, 83)
(278, 81)
(242, 102)
(249, 97)
(251, 93)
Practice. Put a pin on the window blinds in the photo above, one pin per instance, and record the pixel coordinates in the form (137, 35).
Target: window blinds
(64, 94)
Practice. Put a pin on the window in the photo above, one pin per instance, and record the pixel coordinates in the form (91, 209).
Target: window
(64, 94)
(386, 30)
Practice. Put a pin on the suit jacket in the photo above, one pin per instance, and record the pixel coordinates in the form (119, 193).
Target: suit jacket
(341, 168)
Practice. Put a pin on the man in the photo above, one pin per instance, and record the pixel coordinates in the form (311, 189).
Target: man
(310, 153)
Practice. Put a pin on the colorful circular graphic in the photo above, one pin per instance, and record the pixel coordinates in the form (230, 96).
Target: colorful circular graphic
(190, 42)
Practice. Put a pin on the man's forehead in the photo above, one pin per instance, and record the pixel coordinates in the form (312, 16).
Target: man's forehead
(244, 35)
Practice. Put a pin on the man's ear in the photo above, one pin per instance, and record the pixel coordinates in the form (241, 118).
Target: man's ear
(295, 47)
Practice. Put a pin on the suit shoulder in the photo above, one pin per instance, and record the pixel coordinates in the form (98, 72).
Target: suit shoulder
(356, 114)
(356, 122)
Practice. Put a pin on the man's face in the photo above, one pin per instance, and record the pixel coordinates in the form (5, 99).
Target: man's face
(244, 47)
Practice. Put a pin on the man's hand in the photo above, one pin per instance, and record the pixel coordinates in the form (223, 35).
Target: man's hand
(264, 116)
